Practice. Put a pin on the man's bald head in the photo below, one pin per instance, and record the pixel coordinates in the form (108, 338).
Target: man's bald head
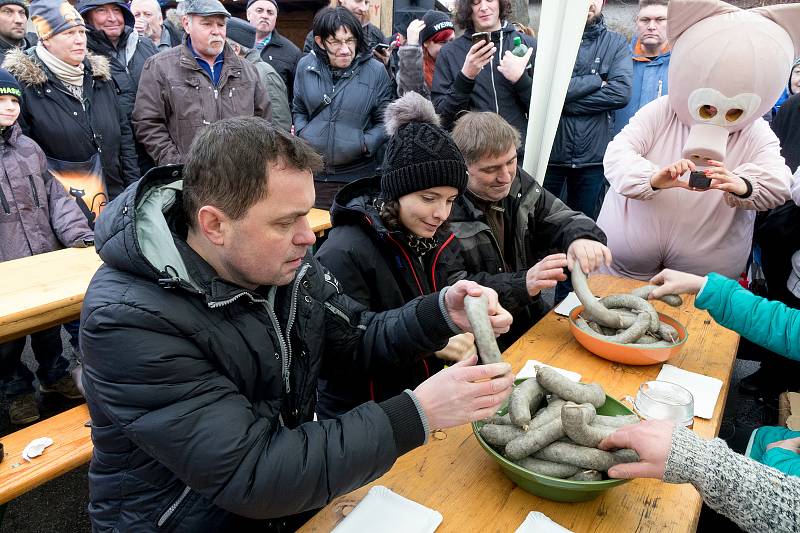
(149, 21)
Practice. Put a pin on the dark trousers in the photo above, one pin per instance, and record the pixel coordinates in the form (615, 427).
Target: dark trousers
(582, 189)
(48, 351)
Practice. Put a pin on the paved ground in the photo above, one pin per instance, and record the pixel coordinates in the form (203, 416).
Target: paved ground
(60, 505)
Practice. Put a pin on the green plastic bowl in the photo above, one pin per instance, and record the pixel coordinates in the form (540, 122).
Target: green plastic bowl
(551, 488)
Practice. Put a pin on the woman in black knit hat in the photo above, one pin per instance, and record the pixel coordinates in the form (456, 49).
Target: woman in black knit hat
(390, 244)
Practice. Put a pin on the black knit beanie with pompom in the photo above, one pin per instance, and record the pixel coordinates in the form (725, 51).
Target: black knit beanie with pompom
(419, 153)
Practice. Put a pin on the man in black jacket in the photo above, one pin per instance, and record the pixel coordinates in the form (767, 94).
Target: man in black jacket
(275, 49)
(506, 222)
(13, 20)
(204, 334)
(601, 83)
(484, 76)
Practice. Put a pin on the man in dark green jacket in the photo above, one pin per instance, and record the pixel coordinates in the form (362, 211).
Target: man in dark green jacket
(507, 222)
(204, 334)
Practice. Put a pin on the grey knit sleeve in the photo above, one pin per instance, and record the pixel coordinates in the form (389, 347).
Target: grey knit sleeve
(755, 496)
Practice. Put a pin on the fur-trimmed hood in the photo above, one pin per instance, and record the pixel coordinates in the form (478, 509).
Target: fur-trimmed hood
(29, 69)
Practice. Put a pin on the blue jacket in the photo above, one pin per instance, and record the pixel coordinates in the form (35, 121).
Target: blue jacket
(770, 324)
(587, 118)
(649, 83)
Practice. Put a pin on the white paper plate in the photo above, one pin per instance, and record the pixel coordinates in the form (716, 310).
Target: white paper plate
(384, 511)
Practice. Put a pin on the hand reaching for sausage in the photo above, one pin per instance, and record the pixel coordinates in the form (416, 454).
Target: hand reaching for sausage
(651, 439)
(589, 254)
(675, 282)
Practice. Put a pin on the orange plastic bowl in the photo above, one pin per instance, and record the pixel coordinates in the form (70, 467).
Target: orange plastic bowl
(629, 354)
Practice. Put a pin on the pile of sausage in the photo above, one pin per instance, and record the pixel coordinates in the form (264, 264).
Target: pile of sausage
(557, 436)
(624, 318)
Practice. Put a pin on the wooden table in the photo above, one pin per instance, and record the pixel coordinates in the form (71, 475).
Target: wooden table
(44, 290)
(71, 448)
(454, 476)
(319, 220)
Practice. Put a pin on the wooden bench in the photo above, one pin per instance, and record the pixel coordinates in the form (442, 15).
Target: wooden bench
(71, 448)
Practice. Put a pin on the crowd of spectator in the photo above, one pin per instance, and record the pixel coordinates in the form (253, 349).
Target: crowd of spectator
(155, 130)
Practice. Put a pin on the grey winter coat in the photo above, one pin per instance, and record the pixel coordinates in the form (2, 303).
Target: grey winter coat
(587, 118)
(276, 88)
(202, 393)
(36, 213)
(349, 131)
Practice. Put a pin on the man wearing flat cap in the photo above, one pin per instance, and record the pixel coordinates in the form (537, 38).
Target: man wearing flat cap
(187, 88)
(275, 49)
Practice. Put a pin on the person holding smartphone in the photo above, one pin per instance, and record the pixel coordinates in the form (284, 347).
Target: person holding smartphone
(483, 75)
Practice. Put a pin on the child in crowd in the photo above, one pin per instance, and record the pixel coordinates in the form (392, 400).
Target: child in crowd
(36, 216)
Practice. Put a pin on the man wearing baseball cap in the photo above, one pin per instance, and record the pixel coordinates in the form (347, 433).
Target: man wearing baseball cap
(275, 49)
(188, 87)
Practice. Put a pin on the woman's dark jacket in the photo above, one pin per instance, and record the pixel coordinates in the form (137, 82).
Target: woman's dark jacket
(376, 267)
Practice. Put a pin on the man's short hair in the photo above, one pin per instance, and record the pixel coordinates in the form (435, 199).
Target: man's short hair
(462, 13)
(647, 3)
(228, 164)
(484, 134)
(329, 19)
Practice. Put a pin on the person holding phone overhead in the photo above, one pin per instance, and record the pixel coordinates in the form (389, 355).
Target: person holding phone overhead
(483, 75)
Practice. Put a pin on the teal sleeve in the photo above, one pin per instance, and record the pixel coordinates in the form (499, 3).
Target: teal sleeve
(786, 461)
(772, 325)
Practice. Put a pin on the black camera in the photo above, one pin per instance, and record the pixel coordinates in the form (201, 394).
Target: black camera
(699, 181)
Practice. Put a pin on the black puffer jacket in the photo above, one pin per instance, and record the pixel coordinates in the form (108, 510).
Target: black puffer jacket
(536, 224)
(125, 76)
(69, 130)
(587, 118)
(202, 406)
(283, 55)
(452, 92)
(349, 132)
(377, 268)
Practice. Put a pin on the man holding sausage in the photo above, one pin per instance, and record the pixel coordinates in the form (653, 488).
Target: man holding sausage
(204, 334)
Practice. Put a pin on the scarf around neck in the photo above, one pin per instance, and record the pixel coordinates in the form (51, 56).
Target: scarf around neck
(420, 245)
(65, 72)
